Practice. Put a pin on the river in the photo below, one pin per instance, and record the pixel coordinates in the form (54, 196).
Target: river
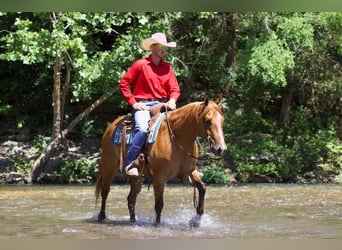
(231, 212)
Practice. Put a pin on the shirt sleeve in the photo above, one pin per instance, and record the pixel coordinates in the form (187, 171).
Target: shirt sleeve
(174, 91)
(125, 82)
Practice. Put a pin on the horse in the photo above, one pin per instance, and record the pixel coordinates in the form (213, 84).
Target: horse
(173, 154)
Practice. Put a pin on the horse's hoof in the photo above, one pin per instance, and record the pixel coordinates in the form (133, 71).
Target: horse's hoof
(157, 223)
(195, 222)
(101, 217)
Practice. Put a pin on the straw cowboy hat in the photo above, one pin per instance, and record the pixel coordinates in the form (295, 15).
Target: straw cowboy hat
(159, 38)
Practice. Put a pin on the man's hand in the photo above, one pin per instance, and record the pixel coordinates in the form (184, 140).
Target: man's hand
(171, 104)
(139, 106)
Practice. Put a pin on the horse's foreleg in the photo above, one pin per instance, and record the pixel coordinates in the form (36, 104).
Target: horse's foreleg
(201, 190)
(158, 199)
(200, 185)
(136, 184)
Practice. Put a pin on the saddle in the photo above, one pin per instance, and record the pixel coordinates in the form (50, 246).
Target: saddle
(127, 123)
(155, 112)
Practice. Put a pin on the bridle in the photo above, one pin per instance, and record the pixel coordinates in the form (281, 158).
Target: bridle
(179, 145)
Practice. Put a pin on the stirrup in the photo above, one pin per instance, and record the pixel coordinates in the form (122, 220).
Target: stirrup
(132, 170)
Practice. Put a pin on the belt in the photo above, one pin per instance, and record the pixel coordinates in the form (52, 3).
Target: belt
(151, 99)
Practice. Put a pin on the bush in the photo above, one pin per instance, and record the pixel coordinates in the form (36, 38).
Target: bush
(335, 154)
(270, 155)
(214, 175)
(211, 166)
(73, 169)
(22, 165)
(310, 145)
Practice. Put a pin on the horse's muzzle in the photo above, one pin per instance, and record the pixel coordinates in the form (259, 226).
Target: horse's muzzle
(218, 148)
(220, 151)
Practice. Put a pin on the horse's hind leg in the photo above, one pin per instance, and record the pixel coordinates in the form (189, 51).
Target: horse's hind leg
(136, 183)
(103, 183)
(104, 195)
(106, 181)
(199, 184)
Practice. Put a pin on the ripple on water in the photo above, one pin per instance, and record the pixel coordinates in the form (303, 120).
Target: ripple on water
(274, 211)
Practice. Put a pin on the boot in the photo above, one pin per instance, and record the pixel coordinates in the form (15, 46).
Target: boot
(138, 141)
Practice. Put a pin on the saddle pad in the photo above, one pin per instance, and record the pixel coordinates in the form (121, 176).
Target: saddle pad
(154, 130)
(117, 136)
(151, 137)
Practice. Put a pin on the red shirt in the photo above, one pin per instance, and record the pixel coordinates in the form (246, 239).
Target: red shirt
(150, 81)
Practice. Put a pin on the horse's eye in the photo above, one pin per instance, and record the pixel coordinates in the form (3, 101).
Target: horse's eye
(207, 122)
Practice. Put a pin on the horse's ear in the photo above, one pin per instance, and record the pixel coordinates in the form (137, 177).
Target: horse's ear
(219, 99)
(206, 101)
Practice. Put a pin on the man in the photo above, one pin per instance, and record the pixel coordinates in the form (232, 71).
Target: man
(154, 81)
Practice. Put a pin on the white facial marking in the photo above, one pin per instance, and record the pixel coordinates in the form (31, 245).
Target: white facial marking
(218, 118)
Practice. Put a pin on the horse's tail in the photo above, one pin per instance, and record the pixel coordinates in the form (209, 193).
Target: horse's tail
(99, 184)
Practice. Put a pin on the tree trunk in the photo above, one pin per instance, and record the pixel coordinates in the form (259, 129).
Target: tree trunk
(339, 125)
(230, 25)
(37, 166)
(229, 20)
(56, 130)
(287, 101)
(86, 112)
(67, 84)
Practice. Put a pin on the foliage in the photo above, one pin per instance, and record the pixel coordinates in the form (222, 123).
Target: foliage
(39, 144)
(214, 175)
(73, 169)
(301, 152)
(334, 156)
(271, 61)
(87, 128)
(265, 63)
(21, 165)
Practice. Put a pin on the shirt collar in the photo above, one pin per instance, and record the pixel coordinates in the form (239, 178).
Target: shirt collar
(149, 59)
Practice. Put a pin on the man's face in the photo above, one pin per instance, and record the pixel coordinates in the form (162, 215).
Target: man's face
(159, 50)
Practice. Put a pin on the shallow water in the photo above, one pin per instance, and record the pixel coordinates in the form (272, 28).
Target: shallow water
(242, 212)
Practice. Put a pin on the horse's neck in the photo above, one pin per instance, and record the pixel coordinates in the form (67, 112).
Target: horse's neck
(184, 121)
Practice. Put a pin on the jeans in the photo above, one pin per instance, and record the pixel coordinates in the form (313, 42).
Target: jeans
(141, 118)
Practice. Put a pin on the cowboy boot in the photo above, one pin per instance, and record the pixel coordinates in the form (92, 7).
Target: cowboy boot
(138, 141)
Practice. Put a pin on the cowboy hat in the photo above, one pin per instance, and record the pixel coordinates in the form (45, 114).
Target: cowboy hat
(159, 38)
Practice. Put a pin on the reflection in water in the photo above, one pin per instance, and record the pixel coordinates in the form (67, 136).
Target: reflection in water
(249, 211)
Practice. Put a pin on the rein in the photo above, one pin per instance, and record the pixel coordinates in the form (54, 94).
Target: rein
(173, 137)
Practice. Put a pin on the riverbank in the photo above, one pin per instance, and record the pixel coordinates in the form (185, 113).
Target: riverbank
(12, 152)
(17, 155)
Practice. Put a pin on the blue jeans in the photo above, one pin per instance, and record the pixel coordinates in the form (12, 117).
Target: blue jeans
(141, 118)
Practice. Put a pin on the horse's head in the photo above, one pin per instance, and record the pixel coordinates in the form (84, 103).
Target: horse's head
(212, 118)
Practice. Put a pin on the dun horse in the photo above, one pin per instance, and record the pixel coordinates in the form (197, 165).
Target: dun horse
(173, 154)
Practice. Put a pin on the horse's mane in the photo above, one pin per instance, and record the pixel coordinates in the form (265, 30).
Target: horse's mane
(193, 110)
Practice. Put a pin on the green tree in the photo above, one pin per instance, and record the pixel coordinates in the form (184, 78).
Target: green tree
(280, 73)
(72, 45)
